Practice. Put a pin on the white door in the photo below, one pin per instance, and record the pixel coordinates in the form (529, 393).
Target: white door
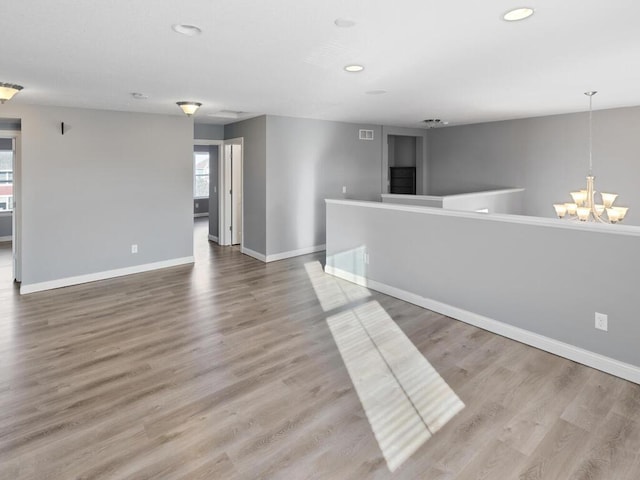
(236, 194)
(230, 207)
(15, 224)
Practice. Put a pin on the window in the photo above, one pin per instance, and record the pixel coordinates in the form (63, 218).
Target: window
(201, 175)
(6, 180)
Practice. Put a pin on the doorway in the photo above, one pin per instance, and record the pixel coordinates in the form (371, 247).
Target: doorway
(404, 160)
(213, 150)
(9, 205)
(231, 219)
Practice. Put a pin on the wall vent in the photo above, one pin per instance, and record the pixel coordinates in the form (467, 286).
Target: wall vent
(366, 135)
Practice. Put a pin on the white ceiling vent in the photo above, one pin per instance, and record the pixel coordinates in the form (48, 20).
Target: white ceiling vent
(366, 135)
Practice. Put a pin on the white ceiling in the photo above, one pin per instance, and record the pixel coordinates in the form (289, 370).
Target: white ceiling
(455, 60)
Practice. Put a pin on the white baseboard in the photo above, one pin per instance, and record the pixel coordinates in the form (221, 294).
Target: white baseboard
(295, 253)
(213, 238)
(253, 254)
(197, 215)
(6, 239)
(577, 354)
(92, 277)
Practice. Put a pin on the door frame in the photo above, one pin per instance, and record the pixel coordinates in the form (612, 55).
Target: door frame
(220, 144)
(420, 135)
(16, 222)
(224, 236)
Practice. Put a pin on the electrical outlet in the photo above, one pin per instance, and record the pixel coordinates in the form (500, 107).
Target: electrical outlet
(344, 189)
(134, 248)
(602, 321)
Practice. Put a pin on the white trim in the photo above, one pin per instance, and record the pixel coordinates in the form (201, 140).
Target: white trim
(454, 195)
(213, 238)
(198, 215)
(295, 253)
(253, 254)
(6, 213)
(485, 193)
(577, 354)
(93, 277)
(8, 238)
(617, 229)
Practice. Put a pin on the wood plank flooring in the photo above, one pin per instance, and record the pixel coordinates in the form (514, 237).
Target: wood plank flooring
(228, 370)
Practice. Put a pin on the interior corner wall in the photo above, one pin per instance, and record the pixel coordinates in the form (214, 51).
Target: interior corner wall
(206, 131)
(86, 198)
(254, 158)
(307, 162)
(548, 156)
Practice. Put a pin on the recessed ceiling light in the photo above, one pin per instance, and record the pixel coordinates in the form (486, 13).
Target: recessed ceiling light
(518, 14)
(188, 30)
(354, 68)
(344, 23)
(139, 96)
(376, 92)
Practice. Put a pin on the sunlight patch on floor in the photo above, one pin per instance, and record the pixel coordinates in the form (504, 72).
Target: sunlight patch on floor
(405, 399)
(330, 293)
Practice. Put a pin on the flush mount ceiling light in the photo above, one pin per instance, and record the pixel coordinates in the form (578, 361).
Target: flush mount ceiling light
(518, 14)
(354, 68)
(344, 23)
(189, 108)
(188, 30)
(8, 90)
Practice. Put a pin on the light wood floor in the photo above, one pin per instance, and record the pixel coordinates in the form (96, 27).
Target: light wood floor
(228, 370)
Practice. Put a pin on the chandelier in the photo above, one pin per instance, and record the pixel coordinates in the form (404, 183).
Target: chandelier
(584, 207)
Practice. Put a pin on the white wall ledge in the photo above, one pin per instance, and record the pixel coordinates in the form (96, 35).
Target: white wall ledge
(455, 195)
(617, 229)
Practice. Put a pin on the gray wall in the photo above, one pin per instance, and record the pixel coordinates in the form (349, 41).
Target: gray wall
(402, 151)
(9, 123)
(142, 186)
(548, 156)
(6, 228)
(206, 131)
(254, 132)
(519, 274)
(200, 205)
(308, 161)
